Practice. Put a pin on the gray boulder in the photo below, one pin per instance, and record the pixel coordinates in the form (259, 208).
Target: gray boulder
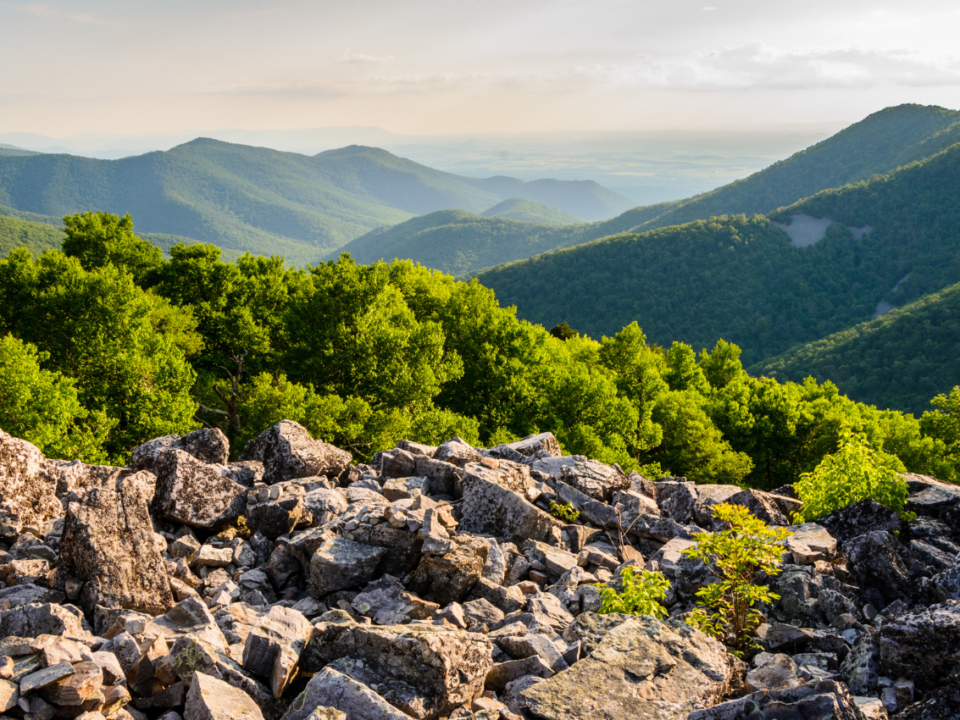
(287, 451)
(195, 493)
(208, 445)
(642, 669)
(273, 646)
(339, 563)
(108, 542)
(859, 518)
(332, 689)
(489, 508)
(213, 699)
(590, 477)
(677, 499)
(922, 645)
(876, 564)
(27, 496)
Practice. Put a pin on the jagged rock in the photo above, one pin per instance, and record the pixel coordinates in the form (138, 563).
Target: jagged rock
(761, 505)
(403, 488)
(861, 668)
(195, 493)
(443, 668)
(457, 452)
(398, 463)
(340, 563)
(491, 509)
(590, 477)
(922, 645)
(275, 510)
(815, 539)
(27, 497)
(529, 645)
(825, 699)
(47, 676)
(507, 599)
(876, 564)
(934, 500)
(415, 448)
(942, 704)
(274, 644)
(779, 672)
(208, 445)
(332, 689)
(709, 496)
(535, 444)
(72, 691)
(387, 603)
(287, 451)
(502, 674)
(449, 577)
(642, 668)
(108, 541)
(946, 585)
(861, 517)
(213, 699)
(324, 504)
(677, 499)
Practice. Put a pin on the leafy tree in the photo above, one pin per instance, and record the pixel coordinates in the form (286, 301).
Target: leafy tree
(722, 365)
(855, 472)
(642, 594)
(735, 555)
(943, 425)
(683, 373)
(97, 239)
(563, 331)
(42, 407)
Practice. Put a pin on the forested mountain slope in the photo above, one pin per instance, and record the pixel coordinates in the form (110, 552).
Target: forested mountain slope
(36, 237)
(246, 198)
(742, 280)
(529, 211)
(876, 145)
(460, 242)
(899, 360)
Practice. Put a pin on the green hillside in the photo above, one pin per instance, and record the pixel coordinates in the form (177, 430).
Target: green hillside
(584, 199)
(742, 280)
(900, 359)
(12, 150)
(36, 237)
(529, 211)
(245, 198)
(876, 145)
(460, 242)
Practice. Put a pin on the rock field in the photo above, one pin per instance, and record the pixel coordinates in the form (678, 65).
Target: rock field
(434, 584)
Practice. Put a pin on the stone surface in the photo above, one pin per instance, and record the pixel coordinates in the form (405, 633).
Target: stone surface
(590, 477)
(535, 444)
(491, 509)
(213, 699)
(677, 499)
(448, 578)
(861, 517)
(272, 649)
(108, 542)
(196, 493)
(332, 689)
(642, 668)
(287, 451)
(27, 496)
(877, 564)
(444, 668)
(340, 563)
(922, 645)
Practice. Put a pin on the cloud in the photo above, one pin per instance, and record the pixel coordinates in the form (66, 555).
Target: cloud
(757, 65)
(44, 10)
(352, 58)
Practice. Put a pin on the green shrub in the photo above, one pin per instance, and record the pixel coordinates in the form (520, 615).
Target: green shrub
(641, 594)
(855, 472)
(736, 555)
(566, 512)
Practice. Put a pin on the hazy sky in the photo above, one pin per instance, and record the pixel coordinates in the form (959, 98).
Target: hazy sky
(468, 66)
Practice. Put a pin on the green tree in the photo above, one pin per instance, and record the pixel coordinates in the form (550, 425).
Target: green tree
(563, 331)
(42, 407)
(97, 239)
(683, 373)
(722, 365)
(642, 594)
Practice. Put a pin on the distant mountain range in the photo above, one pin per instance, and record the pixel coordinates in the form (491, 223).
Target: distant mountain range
(245, 198)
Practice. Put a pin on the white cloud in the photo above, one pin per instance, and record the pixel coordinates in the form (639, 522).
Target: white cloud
(44, 10)
(762, 66)
(352, 58)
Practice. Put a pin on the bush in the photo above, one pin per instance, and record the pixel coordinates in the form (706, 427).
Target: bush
(566, 511)
(641, 594)
(736, 555)
(855, 472)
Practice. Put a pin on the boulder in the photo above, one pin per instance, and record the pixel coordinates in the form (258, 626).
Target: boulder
(273, 646)
(108, 541)
(275, 510)
(441, 668)
(946, 585)
(331, 689)
(386, 602)
(779, 672)
(861, 667)
(287, 451)
(491, 509)
(590, 477)
(208, 445)
(642, 668)
(922, 645)
(859, 518)
(536, 444)
(761, 505)
(339, 563)
(448, 578)
(708, 496)
(677, 499)
(876, 564)
(213, 699)
(27, 496)
(195, 493)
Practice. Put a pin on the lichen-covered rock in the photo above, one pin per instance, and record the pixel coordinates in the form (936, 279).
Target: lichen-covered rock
(108, 542)
(332, 689)
(922, 645)
(590, 477)
(275, 510)
(340, 563)
(861, 667)
(491, 509)
(443, 668)
(876, 564)
(27, 497)
(642, 669)
(779, 672)
(760, 505)
(208, 445)
(537, 444)
(861, 517)
(945, 585)
(273, 646)
(195, 493)
(213, 699)
(677, 499)
(287, 451)
(448, 578)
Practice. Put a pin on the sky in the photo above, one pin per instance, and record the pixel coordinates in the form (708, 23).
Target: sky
(438, 67)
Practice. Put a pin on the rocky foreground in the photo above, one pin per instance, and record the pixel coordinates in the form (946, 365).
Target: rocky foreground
(433, 583)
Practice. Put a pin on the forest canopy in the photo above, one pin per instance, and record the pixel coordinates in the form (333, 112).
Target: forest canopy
(127, 346)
